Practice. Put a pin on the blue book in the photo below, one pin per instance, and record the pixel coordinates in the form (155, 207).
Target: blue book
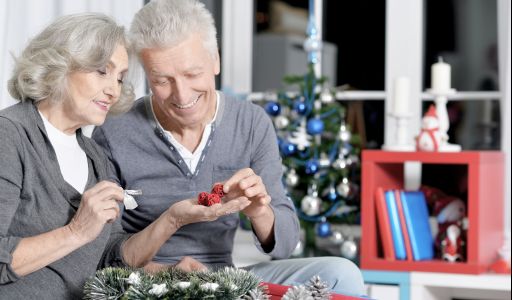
(394, 222)
(418, 226)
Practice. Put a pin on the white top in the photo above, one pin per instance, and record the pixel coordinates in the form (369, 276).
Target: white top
(189, 158)
(70, 156)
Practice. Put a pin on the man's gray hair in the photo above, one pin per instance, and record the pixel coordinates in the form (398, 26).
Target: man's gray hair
(73, 43)
(166, 23)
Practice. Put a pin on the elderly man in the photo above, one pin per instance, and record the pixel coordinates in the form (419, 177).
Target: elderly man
(185, 136)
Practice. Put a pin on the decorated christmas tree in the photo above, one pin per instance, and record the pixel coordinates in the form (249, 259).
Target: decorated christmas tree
(320, 154)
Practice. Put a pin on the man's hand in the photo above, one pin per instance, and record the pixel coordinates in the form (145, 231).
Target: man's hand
(189, 264)
(246, 183)
(189, 211)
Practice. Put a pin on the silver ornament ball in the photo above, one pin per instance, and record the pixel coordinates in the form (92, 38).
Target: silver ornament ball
(292, 179)
(312, 44)
(310, 205)
(339, 164)
(281, 122)
(349, 249)
(343, 188)
(326, 97)
(336, 238)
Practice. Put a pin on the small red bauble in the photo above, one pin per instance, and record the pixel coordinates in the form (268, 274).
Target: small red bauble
(218, 189)
(202, 199)
(213, 199)
(208, 199)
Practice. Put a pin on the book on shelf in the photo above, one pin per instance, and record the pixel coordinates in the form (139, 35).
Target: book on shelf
(384, 224)
(394, 222)
(403, 225)
(416, 217)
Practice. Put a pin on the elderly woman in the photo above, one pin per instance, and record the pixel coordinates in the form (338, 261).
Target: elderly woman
(59, 215)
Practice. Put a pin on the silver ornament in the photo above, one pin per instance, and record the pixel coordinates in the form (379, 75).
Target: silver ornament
(349, 249)
(323, 161)
(326, 97)
(343, 188)
(339, 164)
(344, 151)
(280, 122)
(336, 238)
(312, 44)
(292, 179)
(310, 205)
(344, 134)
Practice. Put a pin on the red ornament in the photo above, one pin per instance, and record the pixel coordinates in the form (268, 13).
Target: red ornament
(213, 199)
(218, 189)
(208, 199)
(202, 199)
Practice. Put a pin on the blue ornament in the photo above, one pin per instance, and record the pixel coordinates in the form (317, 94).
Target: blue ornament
(323, 229)
(288, 148)
(312, 166)
(273, 108)
(315, 126)
(300, 107)
(332, 195)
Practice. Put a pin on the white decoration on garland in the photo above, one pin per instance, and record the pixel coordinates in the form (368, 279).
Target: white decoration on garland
(158, 289)
(183, 284)
(134, 278)
(210, 286)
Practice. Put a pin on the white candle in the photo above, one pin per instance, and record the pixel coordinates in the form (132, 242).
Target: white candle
(441, 76)
(401, 96)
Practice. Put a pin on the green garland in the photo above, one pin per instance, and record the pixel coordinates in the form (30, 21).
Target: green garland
(225, 284)
(135, 284)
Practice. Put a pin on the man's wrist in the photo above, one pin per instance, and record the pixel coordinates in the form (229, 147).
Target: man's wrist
(264, 213)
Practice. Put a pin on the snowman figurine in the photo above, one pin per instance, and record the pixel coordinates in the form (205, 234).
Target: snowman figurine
(430, 138)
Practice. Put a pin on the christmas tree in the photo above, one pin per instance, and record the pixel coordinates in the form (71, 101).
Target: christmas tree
(320, 154)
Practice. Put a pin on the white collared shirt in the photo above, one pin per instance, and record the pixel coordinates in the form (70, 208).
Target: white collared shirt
(191, 159)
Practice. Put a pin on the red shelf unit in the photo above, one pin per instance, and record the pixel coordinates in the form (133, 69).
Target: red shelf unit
(485, 180)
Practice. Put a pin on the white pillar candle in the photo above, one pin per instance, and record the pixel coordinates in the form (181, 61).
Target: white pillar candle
(441, 76)
(401, 95)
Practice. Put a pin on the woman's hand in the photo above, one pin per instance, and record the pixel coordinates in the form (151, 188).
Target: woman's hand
(189, 211)
(99, 206)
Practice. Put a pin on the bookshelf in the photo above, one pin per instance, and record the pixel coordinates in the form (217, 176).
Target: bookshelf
(483, 172)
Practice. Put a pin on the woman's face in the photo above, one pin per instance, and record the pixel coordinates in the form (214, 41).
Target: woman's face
(92, 94)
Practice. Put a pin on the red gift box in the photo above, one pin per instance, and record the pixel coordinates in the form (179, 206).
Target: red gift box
(277, 291)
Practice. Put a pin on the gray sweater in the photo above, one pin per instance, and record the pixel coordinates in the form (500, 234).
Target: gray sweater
(35, 198)
(242, 136)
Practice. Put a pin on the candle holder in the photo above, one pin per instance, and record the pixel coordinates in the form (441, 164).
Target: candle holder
(441, 99)
(402, 145)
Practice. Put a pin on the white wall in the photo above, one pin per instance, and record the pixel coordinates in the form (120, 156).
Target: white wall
(22, 19)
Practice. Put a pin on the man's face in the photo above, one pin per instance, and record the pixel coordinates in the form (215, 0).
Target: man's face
(182, 79)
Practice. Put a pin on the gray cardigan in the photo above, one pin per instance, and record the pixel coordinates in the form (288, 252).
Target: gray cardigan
(242, 136)
(34, 198)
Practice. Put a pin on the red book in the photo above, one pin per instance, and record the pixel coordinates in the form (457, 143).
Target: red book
(384, 225)
(405, 232)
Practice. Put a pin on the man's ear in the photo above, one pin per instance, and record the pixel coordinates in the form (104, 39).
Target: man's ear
(216, 63)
